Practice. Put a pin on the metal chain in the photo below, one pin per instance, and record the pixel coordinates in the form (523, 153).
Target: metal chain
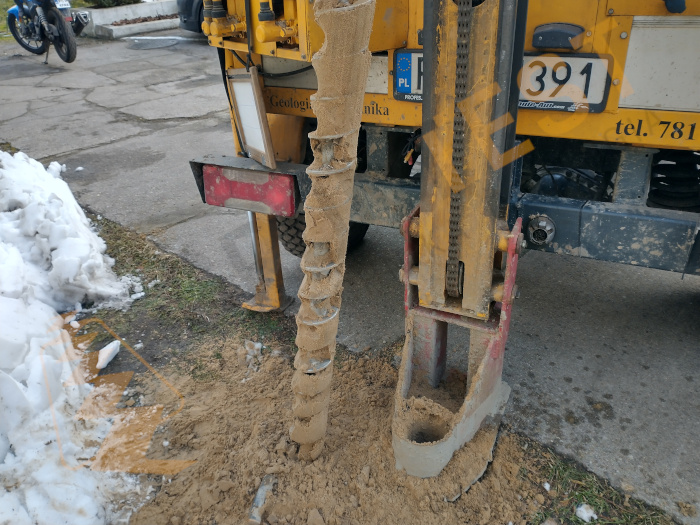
(452, 276)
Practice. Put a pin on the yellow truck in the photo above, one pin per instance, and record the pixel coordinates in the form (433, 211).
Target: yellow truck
(488, 127)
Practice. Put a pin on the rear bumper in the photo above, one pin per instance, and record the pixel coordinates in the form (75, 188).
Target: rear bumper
(376, 200)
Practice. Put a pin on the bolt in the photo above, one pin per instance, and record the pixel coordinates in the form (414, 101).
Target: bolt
(623, 35)
(616, 82)
(589, 33)
(611, 11)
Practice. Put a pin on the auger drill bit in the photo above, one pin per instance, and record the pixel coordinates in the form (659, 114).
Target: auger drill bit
(341, 68)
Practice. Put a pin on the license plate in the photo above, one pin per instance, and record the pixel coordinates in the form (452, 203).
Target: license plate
(564, 83)
(62, 4)
(408, 75)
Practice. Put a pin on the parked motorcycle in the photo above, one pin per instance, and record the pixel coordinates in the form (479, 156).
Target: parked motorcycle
(47, 22)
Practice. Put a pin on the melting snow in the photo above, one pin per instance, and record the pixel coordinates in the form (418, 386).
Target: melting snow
(107, 354)
(51, 260)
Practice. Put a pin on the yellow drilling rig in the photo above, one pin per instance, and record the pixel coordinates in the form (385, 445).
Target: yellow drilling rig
(556, 125)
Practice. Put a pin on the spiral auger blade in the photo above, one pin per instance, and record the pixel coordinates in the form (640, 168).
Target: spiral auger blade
(341, 68)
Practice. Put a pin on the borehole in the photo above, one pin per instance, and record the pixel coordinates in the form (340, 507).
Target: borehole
(425, 432)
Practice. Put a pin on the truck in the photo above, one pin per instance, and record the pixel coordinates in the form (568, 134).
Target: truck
(488, 127)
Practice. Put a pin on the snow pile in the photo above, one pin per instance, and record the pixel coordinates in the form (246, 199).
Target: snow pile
(50, 259)
(48, 251)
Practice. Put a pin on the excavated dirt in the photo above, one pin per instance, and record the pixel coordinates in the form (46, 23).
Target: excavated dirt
(235, 424)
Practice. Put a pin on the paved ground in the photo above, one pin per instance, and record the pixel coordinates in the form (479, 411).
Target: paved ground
(602, 358)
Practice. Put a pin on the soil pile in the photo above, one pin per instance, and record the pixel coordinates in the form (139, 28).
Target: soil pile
(236, 423)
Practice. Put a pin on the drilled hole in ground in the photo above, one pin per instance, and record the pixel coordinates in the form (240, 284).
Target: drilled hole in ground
(427, 432)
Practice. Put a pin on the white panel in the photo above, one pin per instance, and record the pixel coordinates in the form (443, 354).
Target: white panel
(663, 63)
(248, 113)
(378, 76)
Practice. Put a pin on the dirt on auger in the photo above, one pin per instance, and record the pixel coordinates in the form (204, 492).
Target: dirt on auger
(341, 68)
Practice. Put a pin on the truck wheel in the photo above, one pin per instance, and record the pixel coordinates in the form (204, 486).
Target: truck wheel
(290, 230)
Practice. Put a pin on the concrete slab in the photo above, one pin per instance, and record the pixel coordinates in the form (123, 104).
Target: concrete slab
(112, 32)
(603, 359)
(12, 93)
(131, 94)
(105, 16)
(13, 110)
(72, 80)
(212, 99)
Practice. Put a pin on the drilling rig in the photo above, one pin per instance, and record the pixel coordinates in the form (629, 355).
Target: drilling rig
(542, 125)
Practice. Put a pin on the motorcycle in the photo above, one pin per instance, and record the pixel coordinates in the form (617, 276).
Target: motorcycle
(47, 22)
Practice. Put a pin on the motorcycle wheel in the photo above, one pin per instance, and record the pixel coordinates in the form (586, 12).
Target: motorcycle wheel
(38, 47)
(64, 43)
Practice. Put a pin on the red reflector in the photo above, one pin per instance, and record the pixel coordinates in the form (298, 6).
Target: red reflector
(270, 193)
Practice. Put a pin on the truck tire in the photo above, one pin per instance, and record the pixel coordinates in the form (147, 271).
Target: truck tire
(290, 230)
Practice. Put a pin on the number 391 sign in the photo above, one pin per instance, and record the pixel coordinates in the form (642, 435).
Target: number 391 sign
(565, 83)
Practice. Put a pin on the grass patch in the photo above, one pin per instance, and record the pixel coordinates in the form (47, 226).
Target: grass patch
(7, 147)
(183, 306)
(572, 485)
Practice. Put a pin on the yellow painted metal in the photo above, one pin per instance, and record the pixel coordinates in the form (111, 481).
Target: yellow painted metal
(415, 23)
(438, 139)
(479, 183)
(397, 23)
(297, 36)
(649, 8)
(271, 32)
(288, 143)
(390, 27)
(476, 182)
(609, 37)
(288, 139)
(269, 294)
(378, 108)
(636, 127)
